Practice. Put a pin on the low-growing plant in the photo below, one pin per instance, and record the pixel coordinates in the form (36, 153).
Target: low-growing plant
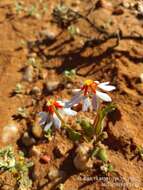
(92, 94)
(73, 31)
(139, 152)
(18, 7)
(18, 89)
(64, 16)
(22, 170)
(17, 165)
(7, 158)
(70, 75)
(22, 112)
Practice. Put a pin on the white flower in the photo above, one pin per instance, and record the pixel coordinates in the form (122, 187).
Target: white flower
(91, 89)
(52, 114)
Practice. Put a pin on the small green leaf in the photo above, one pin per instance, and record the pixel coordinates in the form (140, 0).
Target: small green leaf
(102, 155)
(7, 158)
(101, 114)
(87, 127)
(110, 168)
(73, 135)
(95, 151)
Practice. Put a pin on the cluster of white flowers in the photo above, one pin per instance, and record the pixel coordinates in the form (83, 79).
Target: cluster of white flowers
(91, 93)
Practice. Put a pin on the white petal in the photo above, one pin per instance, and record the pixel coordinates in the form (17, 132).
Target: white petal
(69, 111)
(44, 117)
(48, 126)
(96, 81)
(86, 104)
(95, 102)
(105, 97)
(57, 121)
(75, 100)
(75, 91)
(106, 87)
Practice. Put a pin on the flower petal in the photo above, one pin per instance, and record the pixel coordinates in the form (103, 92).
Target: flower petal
(44, 117)
(105, 97)
(61, 102)
(106, 87)
(96, 81)
(86, 104)
(57, 121)
(75, 100)
(95, 102)
(69, 111)
(48, 126)
(75, 91)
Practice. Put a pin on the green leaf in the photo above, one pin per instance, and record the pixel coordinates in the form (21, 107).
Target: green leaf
(87, 127)
(102, 155)
(73, 135)
(101, 114)
(7, 158)
(95, 152)
(110, 168)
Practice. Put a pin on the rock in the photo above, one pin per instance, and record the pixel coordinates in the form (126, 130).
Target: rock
(35, 151)
(55, 173)
(28, 141)
(45, 158)
(103, 4)
(10, 133)
(51, 35)
(52, 82)
(52, 85)
(82, 160)
(118, 11)
(28, 74)
(126, 4)
(32, 55)
(69, 85)
(141, 77)
(43, 74)
(37, 131)
(139, 7)
(36, 91)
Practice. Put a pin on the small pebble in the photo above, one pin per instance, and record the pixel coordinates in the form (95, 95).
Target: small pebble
(45, 158)
(52, 85)
(28, 74)
(141, 77)
(48, 34)
(10, 133)
(37, 131)
(118, 11)
(36, 91)
(55, 173)
(43, 74)
(35, 151)
(140, 8)
(69, 85)
(103, 4)
(126, 5)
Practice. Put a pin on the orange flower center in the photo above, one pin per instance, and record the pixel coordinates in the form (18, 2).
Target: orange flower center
(89, 86)
(51, 105)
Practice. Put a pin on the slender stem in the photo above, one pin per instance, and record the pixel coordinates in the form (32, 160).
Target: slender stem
(59, 116)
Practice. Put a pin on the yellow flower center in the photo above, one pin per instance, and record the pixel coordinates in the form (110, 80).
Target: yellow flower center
(88, 82)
